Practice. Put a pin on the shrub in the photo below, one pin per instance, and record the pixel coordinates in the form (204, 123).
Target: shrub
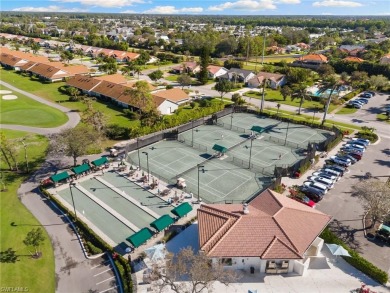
(115, 131)
(349, 96)
(131, 115)
(356, 260)
(333, 143)
(302, 169)
(92, 249)
(371, 136)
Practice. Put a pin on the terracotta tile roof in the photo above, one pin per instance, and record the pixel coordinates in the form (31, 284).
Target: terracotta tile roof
(131, 56)
(268, 75)
(314, 57)
(213, 69)
(109, 89)
(353, 59)
(28, 65)
(174, 95)
(10, 60)
(276, 227)
(83, 82)
(115, 78)
(132, 84)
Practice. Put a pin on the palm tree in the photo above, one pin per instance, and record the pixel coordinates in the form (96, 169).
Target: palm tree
(332, 84)
(137, 70)
(301, 94)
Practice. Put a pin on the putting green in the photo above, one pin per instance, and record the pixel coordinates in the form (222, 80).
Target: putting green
(26, 111)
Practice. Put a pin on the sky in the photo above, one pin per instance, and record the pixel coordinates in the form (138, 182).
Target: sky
(207, 7)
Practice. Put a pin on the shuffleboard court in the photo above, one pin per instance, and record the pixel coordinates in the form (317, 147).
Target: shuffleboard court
(103, 220)
(148, 199)
(121, 205)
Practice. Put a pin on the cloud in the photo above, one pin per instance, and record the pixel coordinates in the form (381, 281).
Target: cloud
(245, 5)
(288, 1)
(337, 3)
(50, 8)
(128, 11)
(173, 10)
(104, 3)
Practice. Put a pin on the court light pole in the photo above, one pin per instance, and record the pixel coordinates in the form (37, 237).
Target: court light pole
(250, 153)
(71, 194)
(147, 162)
(231, 119)
(200, 168)
(192, 133)
(139, 158)
(288, 124)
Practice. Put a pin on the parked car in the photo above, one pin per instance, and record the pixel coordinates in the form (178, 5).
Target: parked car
(357, 142)
(339, 161)
(314, 194)
(361, 140)
(355, 105)
(371, 93)
(356, 146)
(337, 168)
(316, 185)
(327, 182)
(362, 101)
(349, 157)
(327, 175)
(351, 149)
(306, 201)
(355, 154)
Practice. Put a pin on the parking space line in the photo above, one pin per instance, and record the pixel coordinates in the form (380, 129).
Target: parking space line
(105, 280)
(108, 289)
(102, 264)
(102, 272)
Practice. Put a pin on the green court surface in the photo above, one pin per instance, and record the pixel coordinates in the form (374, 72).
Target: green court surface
(167, 159)
(298, 136)
(121, 205)
(148, 199)
(103, 220)
(222, 181)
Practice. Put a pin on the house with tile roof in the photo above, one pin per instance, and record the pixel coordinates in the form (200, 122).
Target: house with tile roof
(275, 80)
(186, 67)
(312, 61)
(270, 234)
(216, 71)
(385, 59)
(175, 95)
(353, 59)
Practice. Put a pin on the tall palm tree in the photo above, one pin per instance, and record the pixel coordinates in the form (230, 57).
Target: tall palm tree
(300, 93)
(331, 84)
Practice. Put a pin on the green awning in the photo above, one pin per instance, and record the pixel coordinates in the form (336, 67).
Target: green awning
(258, 129)
(162, 222)
(182, 209)
(140, 237)
(100, 161)
(220, 148)
(385, 228)
(81, 169)
(60, 176)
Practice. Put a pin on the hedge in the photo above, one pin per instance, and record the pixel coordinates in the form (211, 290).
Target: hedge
(371, 136)
(98, 243)
(356, 260)
(333, 143)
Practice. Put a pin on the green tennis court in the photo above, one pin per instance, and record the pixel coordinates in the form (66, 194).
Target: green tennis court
(298, 136)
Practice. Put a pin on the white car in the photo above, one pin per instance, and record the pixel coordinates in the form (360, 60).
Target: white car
(340, 161)
(326, 175)
(329, 183)
(331, 171)
(355, 146)
(361, 140)
(323, 188)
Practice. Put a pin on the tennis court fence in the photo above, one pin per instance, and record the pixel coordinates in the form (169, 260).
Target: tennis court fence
(194, 167)
(233, 128)
(245, 164)
(195, 145)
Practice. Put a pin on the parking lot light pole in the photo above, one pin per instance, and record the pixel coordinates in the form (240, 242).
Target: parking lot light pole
(200, 168)
(147, 162)
(250, 153)
(231, 119)
(288, 124)
(71, 194)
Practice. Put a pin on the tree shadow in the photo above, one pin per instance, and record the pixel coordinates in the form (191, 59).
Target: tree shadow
(8, 256)
(346, 234)
(385, 163)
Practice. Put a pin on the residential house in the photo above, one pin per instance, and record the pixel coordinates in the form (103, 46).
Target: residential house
(175, 95)
(275, 80)
(385, 59)
(275, 50)
(352, 50)
(271, 234)
(57, 71)
(216, 71)
(312, 61)
(84, 83)
(353, 59)
(238, 75)
(114, 78)
(186, 67)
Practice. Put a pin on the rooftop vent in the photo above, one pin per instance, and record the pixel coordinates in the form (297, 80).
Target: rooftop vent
(245, 208)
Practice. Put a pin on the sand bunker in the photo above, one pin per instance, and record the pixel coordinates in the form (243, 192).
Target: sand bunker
(9, 97)
(5, 92)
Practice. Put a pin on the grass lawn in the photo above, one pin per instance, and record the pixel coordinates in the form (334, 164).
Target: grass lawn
(275, 96)
(37, 275)
(26, 111)
(382, 117)
(49, 91)
(346, 110)
(172, 77)
(272, 59)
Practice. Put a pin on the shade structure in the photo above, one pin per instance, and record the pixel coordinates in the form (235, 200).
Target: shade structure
(220, 148)
(100, 161)
(60, 176)
(157, 252)
(81, 169)
(182, 209)
(258, 129)
(162, 222)
(140, 237)
(338, 250)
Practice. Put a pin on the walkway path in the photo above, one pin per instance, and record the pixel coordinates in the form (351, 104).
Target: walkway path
(73, 117)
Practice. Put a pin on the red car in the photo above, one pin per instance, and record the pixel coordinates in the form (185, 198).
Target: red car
(305, 200)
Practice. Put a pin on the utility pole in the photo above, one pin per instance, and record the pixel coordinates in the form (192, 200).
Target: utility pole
(262, 59)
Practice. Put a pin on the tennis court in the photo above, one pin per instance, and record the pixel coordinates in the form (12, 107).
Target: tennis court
(298, 136)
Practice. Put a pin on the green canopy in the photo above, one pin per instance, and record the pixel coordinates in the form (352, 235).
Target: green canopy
(258, 129)
(182, 209)
(81, 169)
(162, 222)
(100, 161)
(140, 237)
(60, 176)
(220, 148)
